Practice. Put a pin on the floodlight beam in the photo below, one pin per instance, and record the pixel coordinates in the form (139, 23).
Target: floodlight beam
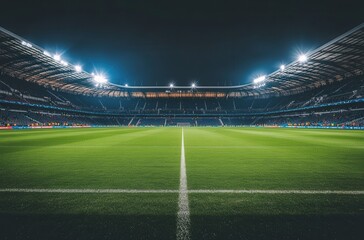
(302, 58)
(259, 79)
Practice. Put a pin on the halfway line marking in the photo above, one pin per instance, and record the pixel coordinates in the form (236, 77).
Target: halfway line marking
(183, 214)
(59, 190)
(256, 191)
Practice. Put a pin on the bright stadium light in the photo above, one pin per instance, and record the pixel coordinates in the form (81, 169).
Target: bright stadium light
(126, 85)
(193, 85)
(57, 57)
(99, 78)
(26, 44)
(302, 58)
(78, 68)
(171, 85)
(259, 85)
(259, 79)
(282, 67)
(64, 63)
(47, 54)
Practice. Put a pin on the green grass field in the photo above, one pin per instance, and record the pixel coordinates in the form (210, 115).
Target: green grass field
(150, 159)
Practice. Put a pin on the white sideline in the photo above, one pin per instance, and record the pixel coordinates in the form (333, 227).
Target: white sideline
(183, 214)
(214, 191)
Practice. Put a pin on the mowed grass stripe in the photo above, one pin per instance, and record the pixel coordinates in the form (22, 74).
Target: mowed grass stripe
(269, 159)
(78, 137)
(85, 166)
(41, 134)
(67, 137)
(307, 138)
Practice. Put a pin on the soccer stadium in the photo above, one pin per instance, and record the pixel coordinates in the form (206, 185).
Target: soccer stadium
(280, 156)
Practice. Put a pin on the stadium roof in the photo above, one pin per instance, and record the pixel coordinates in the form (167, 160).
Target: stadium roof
(340, 58)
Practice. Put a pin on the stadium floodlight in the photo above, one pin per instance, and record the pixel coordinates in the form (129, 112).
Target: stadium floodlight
(302, 58)
(64, 63)
(171, 85)
(259, 85)
(57, 57)
(259, 79)
(47, 54)
(78, 68)
(193, 85)
(99, 78)
(26, 44)
(282, 67)
(126, 85)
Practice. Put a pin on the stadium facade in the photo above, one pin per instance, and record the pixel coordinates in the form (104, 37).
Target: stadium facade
(323, 88)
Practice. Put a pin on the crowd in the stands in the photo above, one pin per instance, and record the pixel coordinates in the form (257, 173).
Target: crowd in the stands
(60, 108)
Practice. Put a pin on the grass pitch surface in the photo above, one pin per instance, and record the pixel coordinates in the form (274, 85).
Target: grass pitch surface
(149, 159)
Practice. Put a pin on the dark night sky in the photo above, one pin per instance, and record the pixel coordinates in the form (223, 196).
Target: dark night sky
(157, 42)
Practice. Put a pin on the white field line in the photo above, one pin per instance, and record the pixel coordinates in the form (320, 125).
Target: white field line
(65, 190)
(256, 191)
(183, 214)
(88, 146)
(197, 191)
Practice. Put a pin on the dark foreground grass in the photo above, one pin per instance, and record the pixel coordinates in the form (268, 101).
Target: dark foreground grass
(149, 158)
(87, 216)
(242, 216)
